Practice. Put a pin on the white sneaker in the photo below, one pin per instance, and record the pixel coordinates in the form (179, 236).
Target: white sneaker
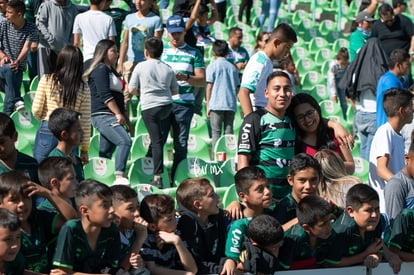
(121, 181)
(19, 105)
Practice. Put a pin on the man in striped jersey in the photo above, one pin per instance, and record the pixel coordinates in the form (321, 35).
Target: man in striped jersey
(16, 37)
(188, 64)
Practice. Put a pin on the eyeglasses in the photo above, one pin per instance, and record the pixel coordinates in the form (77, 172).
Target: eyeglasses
(309, 115)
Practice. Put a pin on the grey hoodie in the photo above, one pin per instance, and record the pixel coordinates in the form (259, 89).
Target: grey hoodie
(55, 23)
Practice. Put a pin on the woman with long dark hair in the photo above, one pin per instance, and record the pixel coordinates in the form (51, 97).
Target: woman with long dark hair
(63, 88)
(312, 132)
(108, 109)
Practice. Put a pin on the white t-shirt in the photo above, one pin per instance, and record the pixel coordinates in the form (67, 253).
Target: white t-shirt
(386, 141)
(254, 78)
(93, 26)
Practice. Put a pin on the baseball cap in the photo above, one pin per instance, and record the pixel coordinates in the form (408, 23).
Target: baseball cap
(364, 16)
(175, 23)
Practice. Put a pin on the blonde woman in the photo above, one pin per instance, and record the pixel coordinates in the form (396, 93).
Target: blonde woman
(336, 182)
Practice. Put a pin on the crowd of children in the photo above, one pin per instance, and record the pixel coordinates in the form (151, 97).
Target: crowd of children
(69, 227)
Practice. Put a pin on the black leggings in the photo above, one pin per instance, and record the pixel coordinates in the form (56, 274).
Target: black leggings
(245, 4)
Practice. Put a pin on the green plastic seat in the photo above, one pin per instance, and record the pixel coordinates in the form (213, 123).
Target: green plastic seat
(299, 52)
(327, 26)
(330, 108)
(319, 92)
(142, 171)
(145, 189)
(34, 83)
(140, 127)
(226, 173)
(192, 167)
(298, 16)
(317, 43)
(340, 43)
(25, 123)
(100, 169)
(230, 195)
(361, 169)
(227, 144)
(322, 55)
(198, 147)
(199, 127)
(25, 146)
(140, 146)
(312, 78)
(311, 33)
(305, 65)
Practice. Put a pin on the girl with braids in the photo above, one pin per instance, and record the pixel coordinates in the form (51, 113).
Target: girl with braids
(63, 88)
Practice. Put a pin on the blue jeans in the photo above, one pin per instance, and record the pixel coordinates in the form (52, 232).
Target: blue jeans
(112, 135)
(365, 124)
(44, 142)
(274, 9)
(180, 122)
(219, 119)
(265, 12)
(12, 81)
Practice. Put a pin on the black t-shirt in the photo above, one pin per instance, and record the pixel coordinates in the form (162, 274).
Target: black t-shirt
(398, 36)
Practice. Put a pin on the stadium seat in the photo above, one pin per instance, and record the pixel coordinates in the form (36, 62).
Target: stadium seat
(100, 169)
(227, 144)
(142, 171)
(326, 26)
(144, 190)
(340, 43)
(140, 146)
(299, 52)
(312, 78)
(140, 127)
(94, 146)
(230, 195)
(34, 83)
(192, 167)
(226, 173)
(330, 108)
(317, 43)
(361, 169)
(25, 123)
(198, 147)
(322, 55)
(304, 65)
(319, 92)
(199, 127)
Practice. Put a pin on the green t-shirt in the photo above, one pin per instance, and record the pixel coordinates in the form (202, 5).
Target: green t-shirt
(34, 245)
(235, 238)
(271, 143)
(77, 163)
(25, 164)
(285, 210)
(183, 59)
(356, 42)
(349, 239)
(297, 248)
(402, 232)
(73, 250)
(237, 56)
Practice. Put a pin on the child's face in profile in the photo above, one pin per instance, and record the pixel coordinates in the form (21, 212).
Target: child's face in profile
(9, 244)
(19, 204)
(75, 134)
(322, 229)
(100, 213)
(67, 185)
(209, 202)
(126, 212)
(304, 183)
(167, 223)
(367, 216)
(259, 194)
(342, 62)
(7, 146)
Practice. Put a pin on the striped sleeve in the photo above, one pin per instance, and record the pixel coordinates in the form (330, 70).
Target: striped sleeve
(39, 107)
(85, 119)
